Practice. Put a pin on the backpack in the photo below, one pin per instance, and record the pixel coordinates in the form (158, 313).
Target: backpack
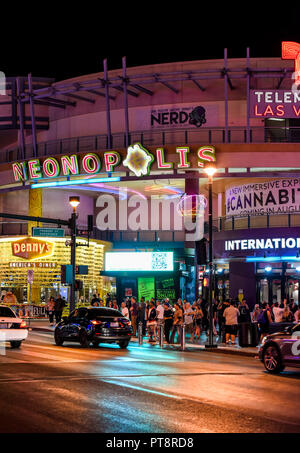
(261, 318)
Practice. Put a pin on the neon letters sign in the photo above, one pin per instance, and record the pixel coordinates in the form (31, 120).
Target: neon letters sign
(291, 51)
(138, 160)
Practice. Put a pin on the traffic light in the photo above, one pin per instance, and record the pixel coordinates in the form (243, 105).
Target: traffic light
(201, 251)
(90, 223)
(78, 285)
(66, 275)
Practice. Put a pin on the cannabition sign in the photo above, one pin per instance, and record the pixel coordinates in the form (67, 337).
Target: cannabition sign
(278, 196)
(136, 159)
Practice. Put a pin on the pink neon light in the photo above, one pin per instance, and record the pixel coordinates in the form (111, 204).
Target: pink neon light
(111, 160)
(93, 158)
(207, 157)
(183, 161)
(160, 160)
(291, 51)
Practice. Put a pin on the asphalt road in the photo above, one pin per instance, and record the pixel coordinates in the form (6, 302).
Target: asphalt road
(47, 389)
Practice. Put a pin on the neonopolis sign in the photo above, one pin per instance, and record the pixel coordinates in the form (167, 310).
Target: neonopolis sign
(136, 159)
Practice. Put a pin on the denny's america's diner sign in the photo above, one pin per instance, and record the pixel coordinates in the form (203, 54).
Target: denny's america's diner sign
(137, 159)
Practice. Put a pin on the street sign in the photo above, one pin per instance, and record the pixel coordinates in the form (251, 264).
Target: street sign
(30, 276)
(48, 232)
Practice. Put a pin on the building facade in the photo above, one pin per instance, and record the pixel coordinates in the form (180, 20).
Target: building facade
(133, 144)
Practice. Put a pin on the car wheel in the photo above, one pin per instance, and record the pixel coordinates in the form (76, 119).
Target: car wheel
(83, 339)
(15, 344)
(272, 359)
(124, 344)
(96, 344)
(58, 339)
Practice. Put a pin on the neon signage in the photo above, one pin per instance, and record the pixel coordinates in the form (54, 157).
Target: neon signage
(30, 248)
(258, 244)
(291, 51)
(138, 160)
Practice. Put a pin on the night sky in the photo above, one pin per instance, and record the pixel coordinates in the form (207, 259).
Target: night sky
(193, 36)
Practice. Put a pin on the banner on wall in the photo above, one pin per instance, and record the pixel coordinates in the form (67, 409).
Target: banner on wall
(272, 197)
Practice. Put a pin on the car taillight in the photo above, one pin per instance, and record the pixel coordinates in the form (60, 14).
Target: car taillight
(96, 323)
(23, 325)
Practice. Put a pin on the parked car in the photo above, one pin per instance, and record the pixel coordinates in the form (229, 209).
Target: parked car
(94, 325)
(12, 328)
(281, 349)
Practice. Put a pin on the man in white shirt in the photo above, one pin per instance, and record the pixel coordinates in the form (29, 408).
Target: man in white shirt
(124, 310)
(160, 310)
(278, 312)
(189, 317)
(231, 315)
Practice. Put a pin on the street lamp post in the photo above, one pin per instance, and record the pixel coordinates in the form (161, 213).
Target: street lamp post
(210, 171)
(74, 202)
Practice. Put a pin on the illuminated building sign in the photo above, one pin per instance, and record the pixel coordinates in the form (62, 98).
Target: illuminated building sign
(262, 244)
(138, 160)
(291, 51)
(32, 265)
(139, 261)
(31, 249)
(274, 104)
(270, 197)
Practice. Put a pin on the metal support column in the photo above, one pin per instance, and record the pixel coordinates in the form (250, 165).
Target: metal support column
(21, 118)
(248, 95)
(226, 93)
(73, 259)
(125, 102)
(108, 121)
(33, 126)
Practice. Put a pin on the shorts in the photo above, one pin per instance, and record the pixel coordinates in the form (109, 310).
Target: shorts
(231, 330)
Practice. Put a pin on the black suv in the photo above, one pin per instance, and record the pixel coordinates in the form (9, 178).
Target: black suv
(281, 349)
(94, 325)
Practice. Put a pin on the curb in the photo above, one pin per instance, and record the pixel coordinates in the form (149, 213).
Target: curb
(220, 350)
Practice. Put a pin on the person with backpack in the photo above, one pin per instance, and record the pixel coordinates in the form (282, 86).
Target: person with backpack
(244, 312)
(264, 320)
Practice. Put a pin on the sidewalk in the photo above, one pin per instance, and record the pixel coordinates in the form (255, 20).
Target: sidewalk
(42, 325)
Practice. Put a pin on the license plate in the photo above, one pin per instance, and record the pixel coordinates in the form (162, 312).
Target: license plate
(114, 324)
(3, 326)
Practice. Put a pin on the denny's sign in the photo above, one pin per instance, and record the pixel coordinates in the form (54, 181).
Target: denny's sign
(31, 248)
(136, 159)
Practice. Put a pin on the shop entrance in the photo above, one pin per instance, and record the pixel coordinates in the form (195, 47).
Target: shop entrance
(273, 289)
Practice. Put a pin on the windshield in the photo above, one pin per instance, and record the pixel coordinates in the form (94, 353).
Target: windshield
(104, 312)
(6, 312)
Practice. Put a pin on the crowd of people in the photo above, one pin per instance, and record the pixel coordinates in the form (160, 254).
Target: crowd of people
(227, 317)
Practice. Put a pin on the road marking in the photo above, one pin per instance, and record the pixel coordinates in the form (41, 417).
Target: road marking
(142, 389)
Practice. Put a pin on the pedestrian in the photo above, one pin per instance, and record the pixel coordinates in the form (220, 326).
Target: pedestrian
(244, 312)
(134, 314)
(231, 315)
(9, 299)
(141, 318)
(95, 301)
(168, 320)
(58, 308)
(151, 323)
(189, 318)
(110, 304)
(198, 315)
(264, 320)
(287, 315)
(50, 310)
(297, 315)
(160, 315)
(107, 299)
(277, 312)
(177, 323)
(255, 314)
(115, 304)
(124, 310)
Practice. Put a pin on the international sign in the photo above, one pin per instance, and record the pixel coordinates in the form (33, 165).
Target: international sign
(48, 232)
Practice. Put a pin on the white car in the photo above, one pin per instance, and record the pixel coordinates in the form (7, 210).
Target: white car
(12, 328)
